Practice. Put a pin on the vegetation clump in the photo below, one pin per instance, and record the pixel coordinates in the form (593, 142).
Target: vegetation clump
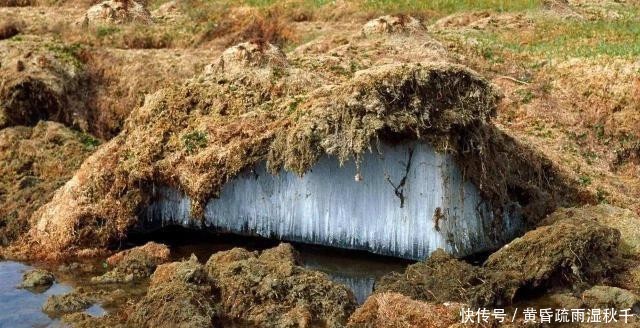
(134, 264)
(391, 310)
(271, 290)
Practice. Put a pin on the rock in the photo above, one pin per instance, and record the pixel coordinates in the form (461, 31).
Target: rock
(57, 305)
(393, 24)
(136, 263)
(189, 271)
(391, 310)
(611, 298)
(271, 290)
(570, 250)
(37, 278)
(442, 278)
(116, 12)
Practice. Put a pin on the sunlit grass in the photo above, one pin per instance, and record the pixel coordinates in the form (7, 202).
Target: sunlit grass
(562, 38)
(451, 6)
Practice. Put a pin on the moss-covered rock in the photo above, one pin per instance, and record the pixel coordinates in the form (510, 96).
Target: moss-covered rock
(174, 304)
(189, 271)
(57, 305)
(37, 278)
(623, 220)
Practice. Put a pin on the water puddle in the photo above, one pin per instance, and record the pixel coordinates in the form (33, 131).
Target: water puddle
(23, 307)
(358, 270)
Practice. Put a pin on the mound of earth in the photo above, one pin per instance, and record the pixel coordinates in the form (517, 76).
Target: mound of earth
(483, 20)
(442, 278)
(393, 24)
(36, 161)
(169, 11)
(117, 12)
(42, 80)
(270, 290)
(8, 29)
(570, 251)
(391, 310)
(174, 304)
(135, 263)
(189, 271)
(197, 136)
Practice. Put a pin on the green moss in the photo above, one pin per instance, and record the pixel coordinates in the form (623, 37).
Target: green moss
(69, 53)
(194, 141)
(89, 142)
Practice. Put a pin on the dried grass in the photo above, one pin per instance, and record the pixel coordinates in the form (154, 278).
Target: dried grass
(393, 310)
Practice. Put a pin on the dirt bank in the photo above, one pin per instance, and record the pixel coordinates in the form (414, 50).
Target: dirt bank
(252, 107)
(36, 161)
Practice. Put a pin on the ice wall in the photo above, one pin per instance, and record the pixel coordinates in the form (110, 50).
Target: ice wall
(407, 201)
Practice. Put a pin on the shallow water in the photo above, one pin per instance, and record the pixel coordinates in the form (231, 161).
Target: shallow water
(357, 270)
(22, 307)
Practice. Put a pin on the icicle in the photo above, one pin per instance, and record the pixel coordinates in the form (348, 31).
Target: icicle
(326, 206)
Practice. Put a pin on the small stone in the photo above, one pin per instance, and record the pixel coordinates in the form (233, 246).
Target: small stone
(57, 305)
(37, 278)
